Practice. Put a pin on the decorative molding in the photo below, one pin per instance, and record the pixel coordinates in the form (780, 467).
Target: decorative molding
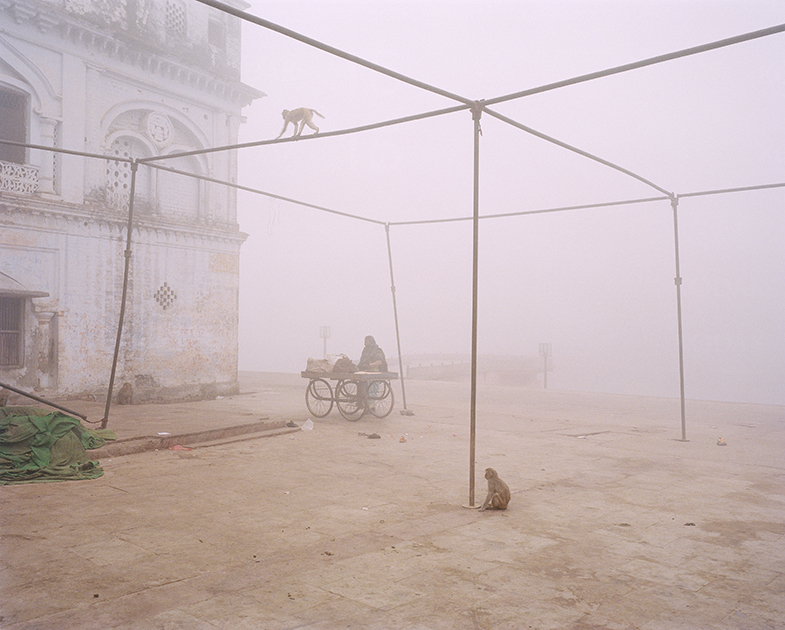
(34, 213)
(18, 178)
(44, 20)
(160, 129)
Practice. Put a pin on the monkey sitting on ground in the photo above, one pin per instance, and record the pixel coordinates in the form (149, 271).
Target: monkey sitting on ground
(498, 492)
(125, 395)
(299, 118)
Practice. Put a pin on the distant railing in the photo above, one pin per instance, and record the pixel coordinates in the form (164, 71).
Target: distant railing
(18, 178)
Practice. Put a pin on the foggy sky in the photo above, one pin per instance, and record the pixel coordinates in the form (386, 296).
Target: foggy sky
(597, 284)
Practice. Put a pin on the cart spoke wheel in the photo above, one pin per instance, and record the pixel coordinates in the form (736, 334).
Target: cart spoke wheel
(319, 397)
(348, 398)
(380, 398)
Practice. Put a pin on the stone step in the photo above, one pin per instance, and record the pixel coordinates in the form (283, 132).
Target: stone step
(210, 437)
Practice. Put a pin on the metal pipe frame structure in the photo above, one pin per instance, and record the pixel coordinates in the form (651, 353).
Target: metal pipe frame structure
(476, 107)
(406, 411)
(476, 115)
(124, 299)
(43, 400)
(133, 162)
(675, 206)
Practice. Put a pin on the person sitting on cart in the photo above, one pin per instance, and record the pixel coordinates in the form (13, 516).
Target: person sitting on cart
(372, 359)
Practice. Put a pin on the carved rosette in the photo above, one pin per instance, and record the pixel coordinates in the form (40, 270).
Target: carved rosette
(159, 129)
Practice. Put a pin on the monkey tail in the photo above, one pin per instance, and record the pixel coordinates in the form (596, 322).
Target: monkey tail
(317, 113)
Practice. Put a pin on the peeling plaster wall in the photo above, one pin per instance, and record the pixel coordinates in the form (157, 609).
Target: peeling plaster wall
(180, 332)
(36, 266)
(107, 78)
(189, 295)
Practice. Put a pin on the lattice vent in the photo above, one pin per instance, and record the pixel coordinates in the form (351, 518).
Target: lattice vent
(175, 18)
(165, 296)
(118, 174)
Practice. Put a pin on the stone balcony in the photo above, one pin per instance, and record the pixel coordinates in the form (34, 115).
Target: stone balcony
(18, 178)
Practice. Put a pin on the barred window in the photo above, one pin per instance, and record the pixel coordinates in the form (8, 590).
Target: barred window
(175, 18)
(11, 331)
(13, 125)
(216, 34)
(178, 195)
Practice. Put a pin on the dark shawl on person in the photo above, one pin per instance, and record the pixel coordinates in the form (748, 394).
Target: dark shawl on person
(371, 353)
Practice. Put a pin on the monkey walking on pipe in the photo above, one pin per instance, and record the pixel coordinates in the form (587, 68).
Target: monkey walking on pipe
(299, 118)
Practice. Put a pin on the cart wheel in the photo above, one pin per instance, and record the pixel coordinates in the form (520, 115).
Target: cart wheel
(349, 400)
(319, 397)
(380, 398)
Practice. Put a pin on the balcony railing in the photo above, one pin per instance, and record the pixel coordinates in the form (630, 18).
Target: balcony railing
(18, 178)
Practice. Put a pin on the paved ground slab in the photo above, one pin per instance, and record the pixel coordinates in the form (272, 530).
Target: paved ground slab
(614, 522)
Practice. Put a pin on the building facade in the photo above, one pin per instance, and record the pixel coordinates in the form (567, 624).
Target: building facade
(126, 79)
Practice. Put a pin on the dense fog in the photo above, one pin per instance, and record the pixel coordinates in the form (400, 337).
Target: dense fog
(597, 283)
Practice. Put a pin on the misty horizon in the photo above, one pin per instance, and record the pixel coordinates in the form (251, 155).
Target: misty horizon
(596, 283)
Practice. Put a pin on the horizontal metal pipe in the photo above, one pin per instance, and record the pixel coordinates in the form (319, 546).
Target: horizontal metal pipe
(66, 151)
(607, 204)
(331, 49)
(43, 400)
(323, 134)
(266, 194)
(256, 191)
(569, 147)
(686, 52)
(723, 191)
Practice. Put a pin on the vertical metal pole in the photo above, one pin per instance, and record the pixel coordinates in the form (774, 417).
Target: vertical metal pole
(545, 352)
(405, 411)
(129, 228)
(675, 205)
(324, 333)
(476, 113)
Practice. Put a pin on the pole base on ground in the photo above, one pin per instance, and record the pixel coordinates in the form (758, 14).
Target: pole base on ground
(407, 412)
(472, 507)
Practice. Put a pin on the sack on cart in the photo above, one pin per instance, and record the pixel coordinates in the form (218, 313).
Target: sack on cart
(344, 365)
(318, 365)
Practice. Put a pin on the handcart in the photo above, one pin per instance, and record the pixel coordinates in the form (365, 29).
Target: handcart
(354, 393)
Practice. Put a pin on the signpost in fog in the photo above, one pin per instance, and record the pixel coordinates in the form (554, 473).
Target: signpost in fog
(545, 352)
(324, 333)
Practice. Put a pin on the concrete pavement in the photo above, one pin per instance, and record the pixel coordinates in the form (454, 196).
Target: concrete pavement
(614, 522)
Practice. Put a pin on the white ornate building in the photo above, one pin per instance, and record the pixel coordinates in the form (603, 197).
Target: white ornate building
(128, 78)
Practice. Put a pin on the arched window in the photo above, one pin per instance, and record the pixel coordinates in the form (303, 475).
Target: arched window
(13, 124)
(139, 132)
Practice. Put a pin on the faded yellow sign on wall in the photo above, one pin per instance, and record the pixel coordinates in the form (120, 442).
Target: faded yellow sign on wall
(224, 263)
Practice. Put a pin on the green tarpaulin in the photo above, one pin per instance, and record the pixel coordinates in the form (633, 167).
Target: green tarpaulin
(38, 445)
